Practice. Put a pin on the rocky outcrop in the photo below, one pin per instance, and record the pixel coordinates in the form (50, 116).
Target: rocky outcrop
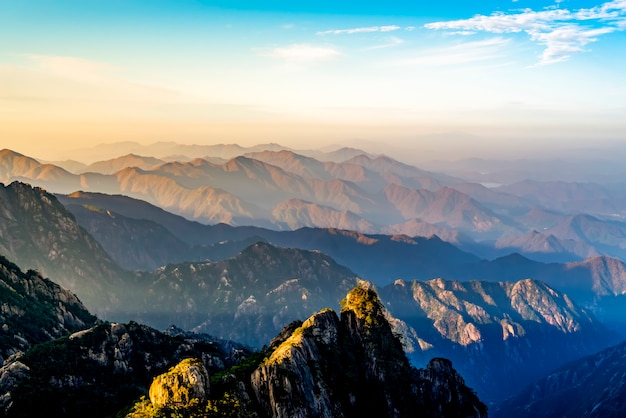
(287, 386)
(96, 372)
(328, 366)
(355, 366)
(34, 310)
(181, 384)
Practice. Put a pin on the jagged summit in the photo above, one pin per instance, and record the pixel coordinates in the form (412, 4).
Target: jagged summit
(344, 366)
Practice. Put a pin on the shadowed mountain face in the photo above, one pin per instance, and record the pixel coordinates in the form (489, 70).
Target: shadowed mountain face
(35, 310)
(378, 258)
(493, 330)
(593, 386)
(247, 298)
(37, 232)
(137, 244)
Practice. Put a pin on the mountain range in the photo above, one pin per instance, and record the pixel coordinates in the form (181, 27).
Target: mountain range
(492, 330)
(510, 279)
(99, 370)
(278, 188)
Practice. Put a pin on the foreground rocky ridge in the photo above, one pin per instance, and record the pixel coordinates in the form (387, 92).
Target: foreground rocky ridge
(332, 367)
(97, 371)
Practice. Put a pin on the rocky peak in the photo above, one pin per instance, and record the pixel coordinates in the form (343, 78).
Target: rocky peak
(355, 366)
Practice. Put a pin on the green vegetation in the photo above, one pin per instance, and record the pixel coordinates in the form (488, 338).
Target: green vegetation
(365, 304)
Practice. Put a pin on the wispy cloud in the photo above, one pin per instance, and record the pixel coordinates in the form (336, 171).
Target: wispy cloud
(304, 53)
(392, 42)
(562, 32)
(73, 67)
(463, 53)
(366, 29)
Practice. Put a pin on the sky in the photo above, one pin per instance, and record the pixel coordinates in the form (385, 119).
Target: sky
(444, 79)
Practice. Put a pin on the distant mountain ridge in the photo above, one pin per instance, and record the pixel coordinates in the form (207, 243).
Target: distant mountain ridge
(247, 298)
(376, 194)
(491, 330)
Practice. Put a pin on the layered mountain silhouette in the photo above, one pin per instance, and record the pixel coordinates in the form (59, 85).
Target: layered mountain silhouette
(275, 187)
(505, 281)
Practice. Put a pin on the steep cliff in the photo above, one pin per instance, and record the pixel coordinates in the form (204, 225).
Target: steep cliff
(355, 366)
(328, 366)
(37, 232)
(493, 330)
(34, 310)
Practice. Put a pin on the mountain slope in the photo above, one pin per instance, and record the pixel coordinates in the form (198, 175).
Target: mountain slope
(116, 164)
(296, 213)
(247, 298)
(547, 247)
(37, 232)
(446, 206)
(593, 386)
(96, 372)
(492, 330)
(35, 310)
(135, 244)
(15, 166)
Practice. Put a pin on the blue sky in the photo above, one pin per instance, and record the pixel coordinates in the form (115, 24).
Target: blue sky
(510, 75)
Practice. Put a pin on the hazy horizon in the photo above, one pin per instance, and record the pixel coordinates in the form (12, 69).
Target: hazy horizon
(489, 79)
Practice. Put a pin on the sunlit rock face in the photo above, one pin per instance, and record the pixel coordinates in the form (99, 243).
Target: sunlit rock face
(184, 382)
(492, 330)
(353, 365)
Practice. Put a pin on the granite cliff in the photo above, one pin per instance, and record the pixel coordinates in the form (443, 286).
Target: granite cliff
(328, 366)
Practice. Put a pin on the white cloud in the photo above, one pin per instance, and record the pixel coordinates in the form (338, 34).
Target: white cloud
(302, 53)
(562, 32)
(367, 29)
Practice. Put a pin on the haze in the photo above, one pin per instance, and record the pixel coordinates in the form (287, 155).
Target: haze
(489, 79)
